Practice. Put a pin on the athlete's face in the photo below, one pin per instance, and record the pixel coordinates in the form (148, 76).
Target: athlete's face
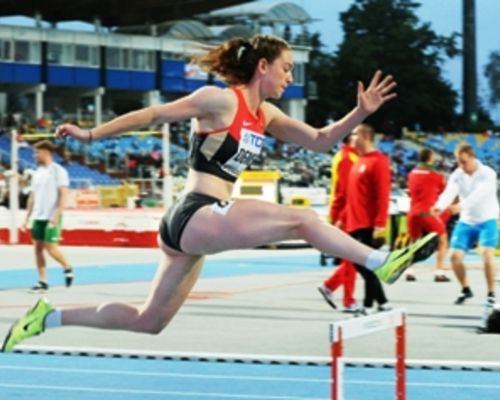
(278, 75)
(353, 138)
(466, 162)
(362, 138)
(42, 156)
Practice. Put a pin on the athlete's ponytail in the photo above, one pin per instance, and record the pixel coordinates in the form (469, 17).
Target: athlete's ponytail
(235, 60)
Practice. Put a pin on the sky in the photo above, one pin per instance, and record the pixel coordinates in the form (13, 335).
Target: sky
(445, 17)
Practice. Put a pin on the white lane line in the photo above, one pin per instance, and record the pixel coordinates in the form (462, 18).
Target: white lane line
(453, 385)
(154, 392)
(461, 365)
(243, 377)
(162, 374)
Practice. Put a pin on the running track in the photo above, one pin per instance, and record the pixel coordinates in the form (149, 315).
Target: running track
(46, 377)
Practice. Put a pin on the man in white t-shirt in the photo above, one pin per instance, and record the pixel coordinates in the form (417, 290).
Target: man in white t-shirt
(476, 186)
(49, 191)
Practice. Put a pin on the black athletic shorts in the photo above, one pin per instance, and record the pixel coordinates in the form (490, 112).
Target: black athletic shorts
(174, 221)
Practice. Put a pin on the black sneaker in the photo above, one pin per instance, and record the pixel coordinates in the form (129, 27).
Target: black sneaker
(68, 277)
(464, 296)
(384, 307)
(40, 287)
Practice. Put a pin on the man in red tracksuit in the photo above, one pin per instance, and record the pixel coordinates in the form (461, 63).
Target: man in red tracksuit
(345, 274)
(368, 194)
(425, 185)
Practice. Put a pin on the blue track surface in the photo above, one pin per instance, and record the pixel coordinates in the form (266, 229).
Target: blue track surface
(213, 268)
(121, 273)
(84, 378)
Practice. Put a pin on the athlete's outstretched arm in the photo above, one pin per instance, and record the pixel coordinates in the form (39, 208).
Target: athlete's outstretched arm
(369, 100)
(204, 101)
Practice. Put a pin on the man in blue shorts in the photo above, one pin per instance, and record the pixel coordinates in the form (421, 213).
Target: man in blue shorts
(476, 186)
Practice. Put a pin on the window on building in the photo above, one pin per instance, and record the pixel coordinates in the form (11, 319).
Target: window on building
(60, 54)
(298, 74)
(142, 60)
(5, 50)
(86, 56)
(28, 52)
(117, 58)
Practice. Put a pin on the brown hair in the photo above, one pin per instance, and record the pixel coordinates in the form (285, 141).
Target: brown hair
(465, 148)
(370, 130)
(425, 155)
(45, 145)
(235, 60)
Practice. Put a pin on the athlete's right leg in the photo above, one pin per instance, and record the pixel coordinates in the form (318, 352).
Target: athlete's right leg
(253, 223)
(489, 268)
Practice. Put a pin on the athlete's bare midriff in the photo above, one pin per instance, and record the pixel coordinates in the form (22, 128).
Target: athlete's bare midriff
(211, 185)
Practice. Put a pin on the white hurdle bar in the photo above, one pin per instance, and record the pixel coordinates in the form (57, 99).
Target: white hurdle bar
(355, 327)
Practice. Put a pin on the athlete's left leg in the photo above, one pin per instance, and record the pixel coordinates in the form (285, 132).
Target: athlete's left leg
(489, 268)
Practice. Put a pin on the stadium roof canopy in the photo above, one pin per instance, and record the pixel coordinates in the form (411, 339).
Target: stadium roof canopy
(266, 13)
(112, 13)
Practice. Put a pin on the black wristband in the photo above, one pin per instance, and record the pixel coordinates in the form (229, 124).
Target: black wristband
(90, 136)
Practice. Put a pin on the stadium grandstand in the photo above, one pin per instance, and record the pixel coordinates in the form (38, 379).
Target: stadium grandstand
(50, 75)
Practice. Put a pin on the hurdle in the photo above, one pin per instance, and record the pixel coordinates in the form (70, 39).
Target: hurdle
(355, 327)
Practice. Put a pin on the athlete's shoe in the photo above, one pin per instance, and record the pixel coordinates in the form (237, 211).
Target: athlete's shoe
(465, 295)
(40, 287)
(30, 325)
(384, 307)
(399, 261)
(328, 296)
(68, 277)
(441, 278)
(353, 308)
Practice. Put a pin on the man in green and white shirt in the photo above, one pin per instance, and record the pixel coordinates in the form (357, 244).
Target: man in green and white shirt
(49, 192)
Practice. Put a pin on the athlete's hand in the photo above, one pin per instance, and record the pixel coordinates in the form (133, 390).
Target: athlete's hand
(435, 211)
(83, 135)
(339, 224)
(379, 92)
(379, 233)
(455, 208)
(378, 237)
(25, 226)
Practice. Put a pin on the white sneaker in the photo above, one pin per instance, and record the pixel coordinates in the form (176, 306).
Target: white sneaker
(352, 309)
(328, 296)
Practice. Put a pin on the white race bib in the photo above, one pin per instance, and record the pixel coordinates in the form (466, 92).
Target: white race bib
(249, 148)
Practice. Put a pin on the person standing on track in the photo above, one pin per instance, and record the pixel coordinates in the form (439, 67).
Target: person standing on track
(476, 186)
(205, 220)
(367, 207)
(46, 202)
(425, 184)
(345, 273)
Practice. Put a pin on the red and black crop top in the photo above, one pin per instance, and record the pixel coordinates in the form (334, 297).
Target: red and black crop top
(226, 152)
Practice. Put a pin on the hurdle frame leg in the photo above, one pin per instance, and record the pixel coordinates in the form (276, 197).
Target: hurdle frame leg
(400, 360)
(337, 368)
